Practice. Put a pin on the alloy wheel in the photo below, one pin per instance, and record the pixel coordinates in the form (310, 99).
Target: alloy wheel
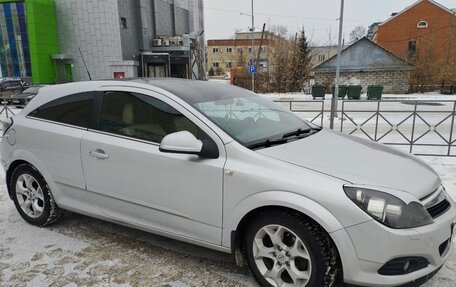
(281, 257)
(29, 195)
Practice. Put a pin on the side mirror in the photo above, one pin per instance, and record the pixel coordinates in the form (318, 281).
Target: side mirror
(181, 142)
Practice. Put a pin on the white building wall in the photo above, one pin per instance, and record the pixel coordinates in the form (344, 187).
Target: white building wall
(94, 27)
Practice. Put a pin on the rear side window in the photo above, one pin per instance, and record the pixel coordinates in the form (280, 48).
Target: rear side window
(73, 110)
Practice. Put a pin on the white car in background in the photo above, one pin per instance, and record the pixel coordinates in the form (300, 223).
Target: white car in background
(223, 168)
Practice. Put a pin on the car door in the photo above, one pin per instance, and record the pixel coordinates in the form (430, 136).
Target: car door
(52, 133)
(6, 90)
(132, 181)
(16, 87)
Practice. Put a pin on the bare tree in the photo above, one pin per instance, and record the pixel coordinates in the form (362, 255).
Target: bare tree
(357, 33)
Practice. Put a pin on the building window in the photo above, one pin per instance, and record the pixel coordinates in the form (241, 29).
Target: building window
(321, 58)
(239, 49)
(228, 65)
(215, 64)
(250, 49)
(411, 48)
(215, 50)
(229, 50)
(123, 23)
(422, 25)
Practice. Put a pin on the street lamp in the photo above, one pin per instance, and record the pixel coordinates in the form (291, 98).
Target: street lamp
(252, 54)
(336, 84)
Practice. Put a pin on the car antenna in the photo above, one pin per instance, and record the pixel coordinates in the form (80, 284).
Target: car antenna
(87, 69)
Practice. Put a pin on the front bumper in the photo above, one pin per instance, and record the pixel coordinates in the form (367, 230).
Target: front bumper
(19, 102)
(366, 247)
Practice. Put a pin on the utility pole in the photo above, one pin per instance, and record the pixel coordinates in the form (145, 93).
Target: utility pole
(336, 84)
(253, 49)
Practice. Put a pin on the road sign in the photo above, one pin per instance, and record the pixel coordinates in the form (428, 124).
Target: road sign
(252, 69)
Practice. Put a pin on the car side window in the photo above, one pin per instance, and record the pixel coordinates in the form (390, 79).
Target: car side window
(74, 110)
(142, 117)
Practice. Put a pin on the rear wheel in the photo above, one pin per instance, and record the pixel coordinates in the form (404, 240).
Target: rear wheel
(283, 249)
(32, 197)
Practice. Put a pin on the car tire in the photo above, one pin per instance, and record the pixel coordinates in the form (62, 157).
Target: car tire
(285, 247)
(32, 196)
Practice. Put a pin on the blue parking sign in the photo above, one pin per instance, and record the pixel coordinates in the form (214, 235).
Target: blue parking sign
(252, 69)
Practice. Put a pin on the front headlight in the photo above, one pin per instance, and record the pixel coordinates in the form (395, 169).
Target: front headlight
(388, 209)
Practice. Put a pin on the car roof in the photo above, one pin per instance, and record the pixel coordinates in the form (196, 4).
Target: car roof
(10, 79)
(190, 91)
(193, 91)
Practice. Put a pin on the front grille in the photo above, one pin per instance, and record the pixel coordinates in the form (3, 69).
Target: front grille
(439, 209)
(403, 265)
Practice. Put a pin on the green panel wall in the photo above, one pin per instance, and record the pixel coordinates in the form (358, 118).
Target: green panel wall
(43, 41)
(42, 31)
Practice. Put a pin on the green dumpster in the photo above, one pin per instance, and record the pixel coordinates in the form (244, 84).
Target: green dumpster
(374, 92)
(354, 92)
(318, 91)
(342, 91)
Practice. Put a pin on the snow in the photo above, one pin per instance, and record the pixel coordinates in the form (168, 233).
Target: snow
(82, 251)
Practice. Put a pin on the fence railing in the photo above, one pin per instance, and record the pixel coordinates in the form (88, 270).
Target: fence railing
(422, 127)
(313, 108)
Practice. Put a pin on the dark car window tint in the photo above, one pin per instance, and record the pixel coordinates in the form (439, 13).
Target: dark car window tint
(73, 110)
(141, 117)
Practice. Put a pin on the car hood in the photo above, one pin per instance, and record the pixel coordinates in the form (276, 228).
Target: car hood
(358, 161)
(22, 95)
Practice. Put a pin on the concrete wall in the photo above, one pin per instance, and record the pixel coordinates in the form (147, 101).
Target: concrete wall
(92, 26)
(131, 36)
(393, 82)
(181, 23)
(147, 23)
(164, 18)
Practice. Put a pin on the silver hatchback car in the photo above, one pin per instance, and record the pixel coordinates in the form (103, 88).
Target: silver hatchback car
(223, 168)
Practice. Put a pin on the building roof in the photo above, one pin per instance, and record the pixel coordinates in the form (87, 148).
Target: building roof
(415, 4)
(365, 56)
(237, 42)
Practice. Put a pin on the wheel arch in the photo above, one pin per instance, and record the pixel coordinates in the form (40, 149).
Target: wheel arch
(285, 201)
(25, 157)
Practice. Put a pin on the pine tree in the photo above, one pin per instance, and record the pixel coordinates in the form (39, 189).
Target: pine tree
(300, 63)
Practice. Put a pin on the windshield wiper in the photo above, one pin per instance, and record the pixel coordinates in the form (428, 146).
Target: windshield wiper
(267, 143)
(300, 131)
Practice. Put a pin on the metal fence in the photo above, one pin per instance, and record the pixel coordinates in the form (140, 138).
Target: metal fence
(422, 127)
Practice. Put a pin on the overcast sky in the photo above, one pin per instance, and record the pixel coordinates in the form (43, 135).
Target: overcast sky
(222, 17)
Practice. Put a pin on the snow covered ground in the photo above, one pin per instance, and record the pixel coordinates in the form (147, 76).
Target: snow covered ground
(82, 251)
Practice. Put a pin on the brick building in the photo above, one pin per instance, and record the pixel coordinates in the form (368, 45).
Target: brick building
(223, 54)
(423, 34)
(366, 63)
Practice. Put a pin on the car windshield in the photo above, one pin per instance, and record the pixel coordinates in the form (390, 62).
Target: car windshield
(31, 90)
(251, 119)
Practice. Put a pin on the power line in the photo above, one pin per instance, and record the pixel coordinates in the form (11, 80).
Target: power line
(281, 15)
(417, 37)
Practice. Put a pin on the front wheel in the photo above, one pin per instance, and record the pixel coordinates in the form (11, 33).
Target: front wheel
(284, 249)
(32, 197)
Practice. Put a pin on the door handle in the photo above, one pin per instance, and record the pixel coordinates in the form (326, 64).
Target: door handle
(98, 153)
